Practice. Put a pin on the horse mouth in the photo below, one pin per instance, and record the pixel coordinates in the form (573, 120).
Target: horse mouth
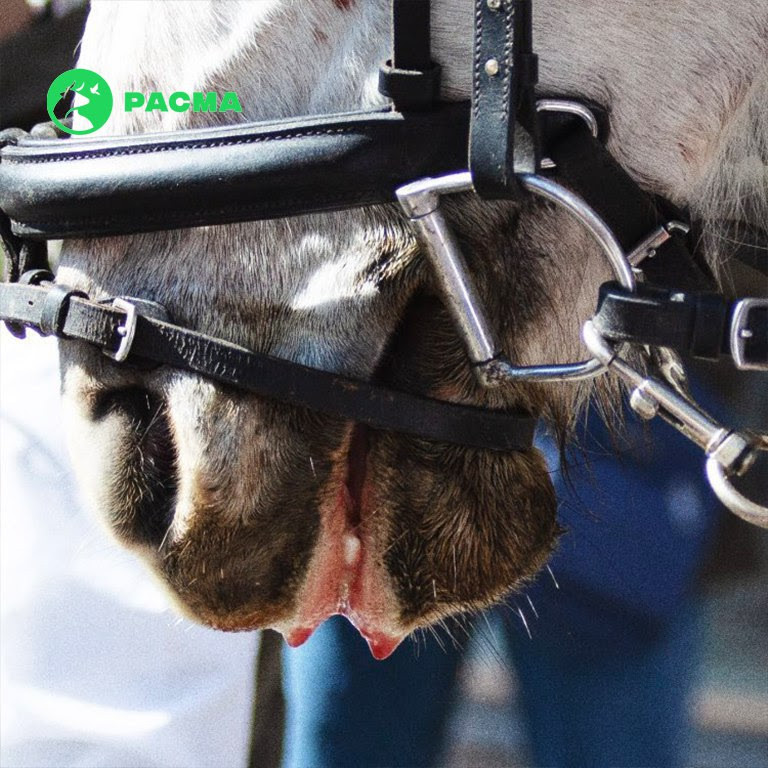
(357, 465)
(391, 531)
(346, 575)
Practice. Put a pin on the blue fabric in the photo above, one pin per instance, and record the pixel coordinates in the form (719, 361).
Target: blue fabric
(347, 710)
(639, 517)
(606, 677)
(617, 707)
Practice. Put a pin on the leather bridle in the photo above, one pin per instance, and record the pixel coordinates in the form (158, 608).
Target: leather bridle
(505, 144)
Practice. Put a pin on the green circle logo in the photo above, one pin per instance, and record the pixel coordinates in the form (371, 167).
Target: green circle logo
(92, 101)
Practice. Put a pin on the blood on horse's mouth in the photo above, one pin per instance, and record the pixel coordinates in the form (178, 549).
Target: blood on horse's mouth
(345, 575)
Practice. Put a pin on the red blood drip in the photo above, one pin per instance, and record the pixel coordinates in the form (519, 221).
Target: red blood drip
(298, 636)
(382, 646)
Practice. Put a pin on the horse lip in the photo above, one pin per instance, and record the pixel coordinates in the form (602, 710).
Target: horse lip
(297, 636)
(341, 578)
(381, 642)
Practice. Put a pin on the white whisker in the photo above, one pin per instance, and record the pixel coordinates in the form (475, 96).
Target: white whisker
(557, 586)
(525, 622)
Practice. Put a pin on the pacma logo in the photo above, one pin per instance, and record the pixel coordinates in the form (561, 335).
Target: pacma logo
(180, 101)
(92, 102)
(91, 99)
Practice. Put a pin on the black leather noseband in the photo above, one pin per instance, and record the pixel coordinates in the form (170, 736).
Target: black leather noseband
(71, 315)
(54, 188)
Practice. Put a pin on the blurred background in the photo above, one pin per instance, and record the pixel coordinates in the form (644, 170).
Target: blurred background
(730, 705)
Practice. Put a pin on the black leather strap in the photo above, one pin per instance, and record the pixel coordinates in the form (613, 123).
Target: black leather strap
(410, 78)
(586, 166)
(10, 249)
(411, 34)
(350, 399)
(504, 74)
(695, 324)
(54, 188)
(53, 312)
(18, 256)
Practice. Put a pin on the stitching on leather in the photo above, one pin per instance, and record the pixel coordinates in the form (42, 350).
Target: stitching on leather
(478, 55)
(509, 15)
(200, 144)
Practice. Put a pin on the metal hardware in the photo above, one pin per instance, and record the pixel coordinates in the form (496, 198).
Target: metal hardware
(571, 108)
(740, 333)
(492, 67)
(646, 248)
(494, 5)
(728, 452)
(127, 330)
(643, 404)
(670, 365)
(421, 202)
(733, 499)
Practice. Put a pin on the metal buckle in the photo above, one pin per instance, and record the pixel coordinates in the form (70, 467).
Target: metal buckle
(571, 108)
(126, 330)
(741, 333)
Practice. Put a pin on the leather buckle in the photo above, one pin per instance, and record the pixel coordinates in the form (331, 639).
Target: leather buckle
(126, 330)
(743, 331)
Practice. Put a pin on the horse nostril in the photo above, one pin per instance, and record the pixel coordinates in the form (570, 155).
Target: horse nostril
(144, 474)
(137, 403)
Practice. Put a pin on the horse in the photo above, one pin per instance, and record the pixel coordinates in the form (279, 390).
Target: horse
(259, 514)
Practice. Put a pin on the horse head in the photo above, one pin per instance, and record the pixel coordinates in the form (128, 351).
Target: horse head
(259, 514)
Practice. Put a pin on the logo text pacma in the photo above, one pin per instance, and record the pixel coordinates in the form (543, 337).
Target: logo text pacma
(179, 101)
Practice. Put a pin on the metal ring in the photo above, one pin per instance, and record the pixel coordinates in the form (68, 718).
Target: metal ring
(622, 269)
(421, 202)
(734, 500)
(556, 193)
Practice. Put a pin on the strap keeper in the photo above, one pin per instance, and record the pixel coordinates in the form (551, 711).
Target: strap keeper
(528, 65)
(53, 313)
(410, 89)
(708, 326)
(36, 277)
